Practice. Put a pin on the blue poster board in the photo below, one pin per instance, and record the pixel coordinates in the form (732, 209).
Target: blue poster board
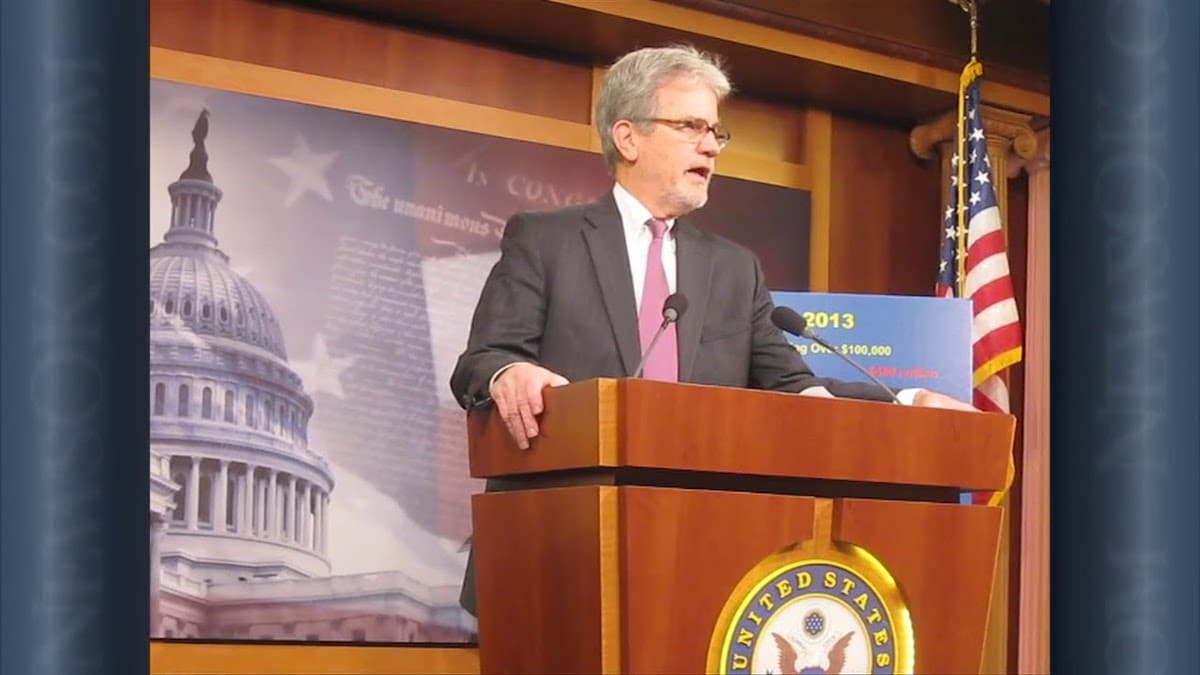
(905, 341)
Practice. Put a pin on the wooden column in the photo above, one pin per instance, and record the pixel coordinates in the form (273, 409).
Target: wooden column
(1033, 596)
(1007, 133)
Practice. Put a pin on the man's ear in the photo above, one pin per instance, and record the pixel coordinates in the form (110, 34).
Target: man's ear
(626, 139)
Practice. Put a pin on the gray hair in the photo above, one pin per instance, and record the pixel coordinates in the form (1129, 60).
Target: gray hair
(630, 85)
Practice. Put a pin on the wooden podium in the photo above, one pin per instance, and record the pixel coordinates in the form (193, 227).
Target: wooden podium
(614, 543)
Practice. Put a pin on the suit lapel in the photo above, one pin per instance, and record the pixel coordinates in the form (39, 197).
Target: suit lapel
(610, 260)
(693, 256)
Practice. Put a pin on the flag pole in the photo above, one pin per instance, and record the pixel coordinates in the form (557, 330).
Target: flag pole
(973, 70)
(970, 72)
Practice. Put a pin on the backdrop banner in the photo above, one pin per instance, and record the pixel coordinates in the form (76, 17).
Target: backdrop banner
(312, 278)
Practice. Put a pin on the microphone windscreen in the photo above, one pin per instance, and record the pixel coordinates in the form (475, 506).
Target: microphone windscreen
(677, 303)
(787, 320)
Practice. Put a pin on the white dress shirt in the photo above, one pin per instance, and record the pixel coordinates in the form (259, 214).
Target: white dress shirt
(637, 242)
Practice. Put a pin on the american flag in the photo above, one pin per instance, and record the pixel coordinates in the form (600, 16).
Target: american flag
(974, 261)
(972, 225)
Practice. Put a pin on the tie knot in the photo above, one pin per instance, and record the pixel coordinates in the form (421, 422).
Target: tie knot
(657, 227)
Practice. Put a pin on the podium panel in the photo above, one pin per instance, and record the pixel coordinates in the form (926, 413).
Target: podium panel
(641, 549)
(546, 580)
(633, 579)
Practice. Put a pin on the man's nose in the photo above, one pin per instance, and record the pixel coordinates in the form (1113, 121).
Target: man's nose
(709, 145)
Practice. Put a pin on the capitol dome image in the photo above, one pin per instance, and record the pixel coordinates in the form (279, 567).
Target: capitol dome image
(240, 503)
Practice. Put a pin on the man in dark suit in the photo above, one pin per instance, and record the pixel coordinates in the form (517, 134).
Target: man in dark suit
(578, 293)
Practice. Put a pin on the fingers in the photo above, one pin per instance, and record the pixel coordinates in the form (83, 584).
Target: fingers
(933, 399)
(507, 408)
(527, 415)
(518, 396)
(503, 393)
(529, 401)
(533, 390)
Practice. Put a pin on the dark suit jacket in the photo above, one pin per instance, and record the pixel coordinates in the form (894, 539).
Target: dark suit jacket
(561, 295)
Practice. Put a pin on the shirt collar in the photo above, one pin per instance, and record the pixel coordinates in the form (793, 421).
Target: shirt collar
(633, 213)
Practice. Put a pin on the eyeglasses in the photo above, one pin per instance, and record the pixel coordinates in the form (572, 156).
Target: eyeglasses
(694, 129)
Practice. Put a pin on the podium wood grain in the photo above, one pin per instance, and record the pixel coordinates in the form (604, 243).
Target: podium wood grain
(641, 423)
(605, 574)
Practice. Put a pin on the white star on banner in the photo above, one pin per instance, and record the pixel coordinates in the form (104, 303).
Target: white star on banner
(949, 232)
(982, 177)
(322, 372)
(977, 134)
(306, 171)
(975, 198)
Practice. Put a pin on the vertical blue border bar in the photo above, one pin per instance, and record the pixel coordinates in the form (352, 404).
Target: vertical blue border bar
(74, 77)
(1124, 284)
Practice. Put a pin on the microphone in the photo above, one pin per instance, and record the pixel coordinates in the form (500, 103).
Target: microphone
(673, 308)
(786, 319)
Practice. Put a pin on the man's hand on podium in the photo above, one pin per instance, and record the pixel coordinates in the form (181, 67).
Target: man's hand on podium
(932, 399)
(517, 393)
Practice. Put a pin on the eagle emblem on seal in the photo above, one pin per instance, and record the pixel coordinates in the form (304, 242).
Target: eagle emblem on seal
(792, 655)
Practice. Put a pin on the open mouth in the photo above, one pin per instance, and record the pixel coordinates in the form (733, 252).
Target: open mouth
(701, 171)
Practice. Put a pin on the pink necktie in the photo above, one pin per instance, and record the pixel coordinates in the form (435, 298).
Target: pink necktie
(663, 362)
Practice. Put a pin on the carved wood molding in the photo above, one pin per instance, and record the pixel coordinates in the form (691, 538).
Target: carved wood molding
(1039, 161)
(799, 25)
(1012, 127)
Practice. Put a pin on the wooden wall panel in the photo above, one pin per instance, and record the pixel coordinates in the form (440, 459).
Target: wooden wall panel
(241, 37)
(764, 130)
(184, 658)
(884, 212)
(929, 33)
(289, 85)
(371, 53)
(777, 63)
